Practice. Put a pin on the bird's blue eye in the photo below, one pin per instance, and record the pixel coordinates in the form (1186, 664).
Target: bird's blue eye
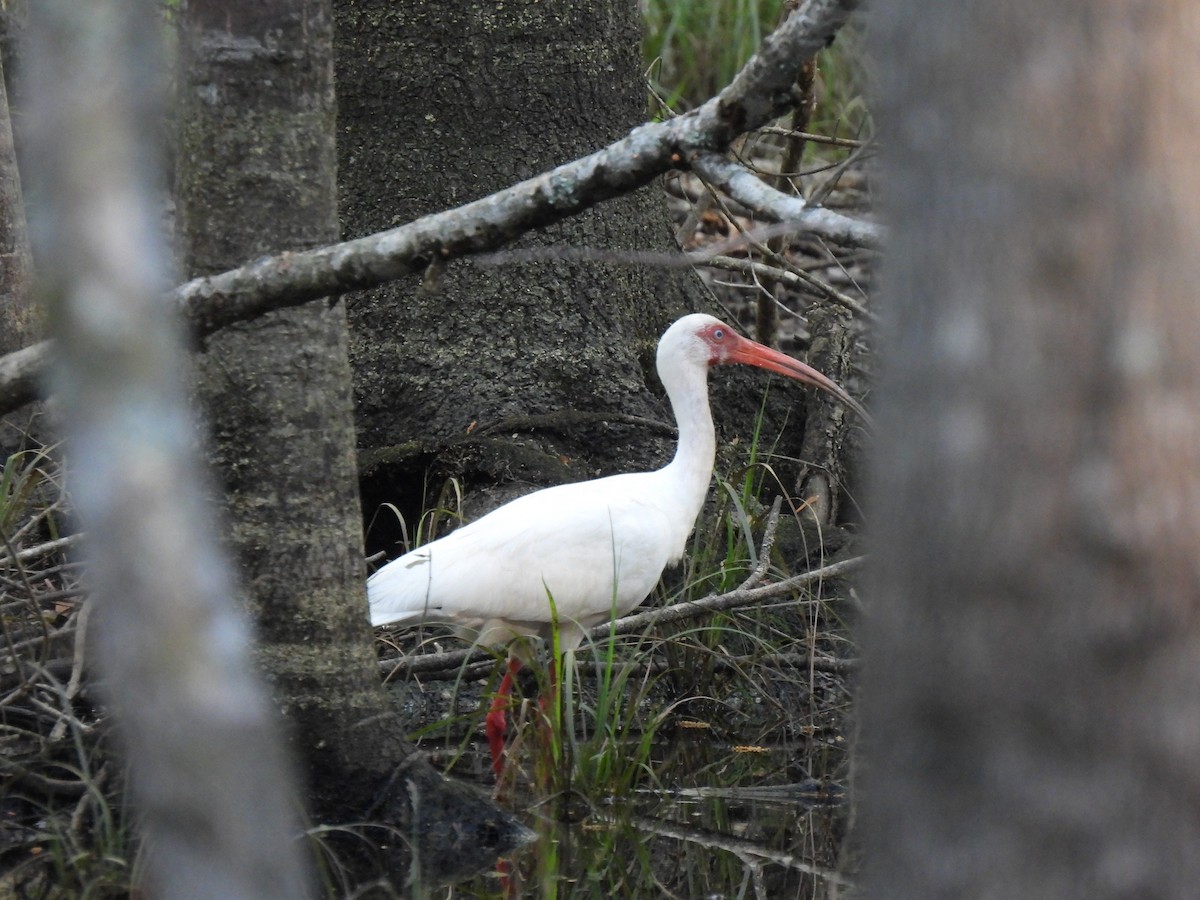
(719, 334)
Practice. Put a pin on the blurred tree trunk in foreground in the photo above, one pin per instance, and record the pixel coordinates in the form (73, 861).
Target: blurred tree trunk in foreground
(1031, 713)
(256, 175)
(172, 654)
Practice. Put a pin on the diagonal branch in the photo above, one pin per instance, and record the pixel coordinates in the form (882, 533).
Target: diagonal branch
(760, 93)
(765, 202)
(641, 621)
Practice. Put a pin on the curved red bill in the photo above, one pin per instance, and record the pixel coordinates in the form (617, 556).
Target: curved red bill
(752, 353)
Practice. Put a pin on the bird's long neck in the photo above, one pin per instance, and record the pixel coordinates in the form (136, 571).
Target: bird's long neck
(691, 469)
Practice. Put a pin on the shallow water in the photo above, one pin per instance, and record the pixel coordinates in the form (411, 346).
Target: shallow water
(699, 817)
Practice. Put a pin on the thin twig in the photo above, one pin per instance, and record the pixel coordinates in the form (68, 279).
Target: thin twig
(722, 662)
(48, 547)
(793, 277)
(764, 550)
(72, 689)
(745, 849)
(814, 138)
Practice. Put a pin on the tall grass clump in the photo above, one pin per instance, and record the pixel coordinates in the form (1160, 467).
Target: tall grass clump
(693, 48)
(63, 830)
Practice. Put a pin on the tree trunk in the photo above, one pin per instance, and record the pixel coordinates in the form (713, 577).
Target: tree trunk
(522, 370)
(20, 320)
(1031, 714)
(168, 650)
(256, 174)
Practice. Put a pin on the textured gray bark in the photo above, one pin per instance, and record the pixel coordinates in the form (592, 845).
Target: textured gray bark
(511, 371)
(1031, 706)
(20, 318)
(171, 653)
(826, 451)
(256, 174)
(20, 322)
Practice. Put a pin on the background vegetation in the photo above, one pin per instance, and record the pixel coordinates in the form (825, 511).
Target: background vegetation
(729, 705)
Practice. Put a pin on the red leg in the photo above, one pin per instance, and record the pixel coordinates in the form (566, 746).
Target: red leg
(495, 724)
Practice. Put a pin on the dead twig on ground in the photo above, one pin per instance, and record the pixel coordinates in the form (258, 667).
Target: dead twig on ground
(637, 622)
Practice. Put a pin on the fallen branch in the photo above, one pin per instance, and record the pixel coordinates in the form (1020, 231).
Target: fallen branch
(723, 663)
(475, 663)
(637, 622)
(760, 93)
(752, 853)
(43, 549)
(735, 599)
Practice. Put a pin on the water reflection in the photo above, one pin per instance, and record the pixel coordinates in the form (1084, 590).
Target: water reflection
(710, 819)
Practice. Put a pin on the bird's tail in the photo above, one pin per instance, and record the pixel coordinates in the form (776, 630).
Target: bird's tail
(392, 598)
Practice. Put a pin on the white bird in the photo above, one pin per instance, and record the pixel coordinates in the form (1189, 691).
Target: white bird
(596, 548)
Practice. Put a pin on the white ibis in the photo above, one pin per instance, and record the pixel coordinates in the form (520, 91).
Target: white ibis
(597, 548)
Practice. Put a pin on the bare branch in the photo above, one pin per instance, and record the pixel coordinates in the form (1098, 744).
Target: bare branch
(760, 92)
(735, 599)
(813, 138)
(55, 546)
(678, 612)
(721, 662)
(748, 850)
(764, 549)
(792, 279)
(764, 202)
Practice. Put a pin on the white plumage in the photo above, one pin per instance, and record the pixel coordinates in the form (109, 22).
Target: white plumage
(597, 547)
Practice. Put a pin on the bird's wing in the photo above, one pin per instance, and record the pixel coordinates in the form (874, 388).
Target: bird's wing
(595, 547)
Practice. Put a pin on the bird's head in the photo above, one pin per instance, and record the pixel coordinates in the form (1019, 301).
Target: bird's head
(701, 340)
(696, 340)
